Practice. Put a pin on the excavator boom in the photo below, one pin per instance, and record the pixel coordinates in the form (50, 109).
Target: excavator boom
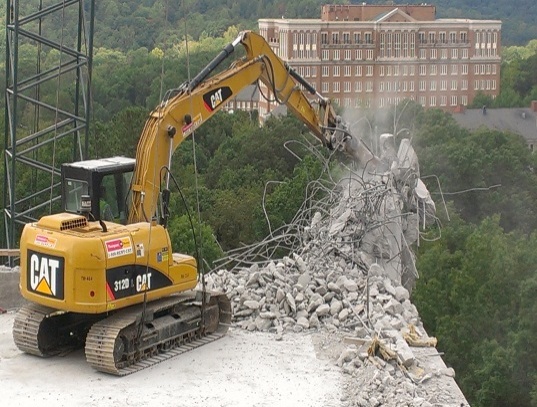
(194, 102)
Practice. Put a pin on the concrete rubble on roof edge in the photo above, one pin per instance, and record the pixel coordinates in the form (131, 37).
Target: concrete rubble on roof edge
(353, 277)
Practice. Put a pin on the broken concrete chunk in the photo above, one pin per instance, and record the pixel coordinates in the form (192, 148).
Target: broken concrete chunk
(401, 294)
(351, 286)
(291, 302)
(304, 279)
(254, 278)
(404, 354)
(253, 305)
(303, 322)
(334, 287)
(323, 310)
(280, 295)
(335, 307)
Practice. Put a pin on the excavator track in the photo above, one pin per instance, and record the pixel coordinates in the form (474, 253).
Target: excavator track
(126, 342)
(45, 332)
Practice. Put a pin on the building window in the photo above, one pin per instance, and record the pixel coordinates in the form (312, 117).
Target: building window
(369, 70)
(359, 55)
(423, 53)
(412, 70)
(482, 69)
(325, 55)
(325, 87)
(423, 69)
(405, 70)
(381, 70)
(421, 37)
(382, 44)
(337, 55)
(396, 70)
(433, 69)
(453, 37)
(443, 53)
(422, 86)
(347, 55)
(464, 100)
(369, 54)
(335, 71)
(454, 69)
(411, 86)
(453, 100)
(313, 71)
(434, 53)
(389, 70)
(443, 38)
(335, 38)
(357, 86)
(432, 101)
(443, 100)
(422, 100)
(464, 69)
(476, 84)
(494, 84)
(326, 71)
(347, 70)
(358, 70)
(357, 38)
(347, 102)
(488, 69)
(494, 69)
(464, 84)
(335, 87)
(476, 69)
(454, 53)
(324, 38)
(464, 53)
(453, 85)
(368, 38)
(346, 87)
(397, 38)
(443, 85)
(432, 38)
(369, 86)
(381, 86)
(433, 86)
(443, 69)
(464, 37)
(346, 38)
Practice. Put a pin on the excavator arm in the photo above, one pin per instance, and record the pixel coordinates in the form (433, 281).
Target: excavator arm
(194, 102)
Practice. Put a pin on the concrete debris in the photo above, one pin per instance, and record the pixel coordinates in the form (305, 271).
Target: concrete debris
(351, 271)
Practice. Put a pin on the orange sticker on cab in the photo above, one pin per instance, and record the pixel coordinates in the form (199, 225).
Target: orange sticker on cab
(118, 247)
(45, 241)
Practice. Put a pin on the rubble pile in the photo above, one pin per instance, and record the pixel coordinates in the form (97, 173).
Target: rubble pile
(352, 277)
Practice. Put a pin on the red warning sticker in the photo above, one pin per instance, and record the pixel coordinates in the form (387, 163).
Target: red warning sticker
(118, 247)
(45, 241)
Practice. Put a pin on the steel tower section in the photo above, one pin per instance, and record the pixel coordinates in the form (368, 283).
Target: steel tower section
(49, 51)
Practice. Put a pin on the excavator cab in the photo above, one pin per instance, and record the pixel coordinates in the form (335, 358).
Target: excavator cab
(105, 181)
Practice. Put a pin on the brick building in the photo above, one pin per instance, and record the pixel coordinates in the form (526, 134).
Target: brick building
(376, 55)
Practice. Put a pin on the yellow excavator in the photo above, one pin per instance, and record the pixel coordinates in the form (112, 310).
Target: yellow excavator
(102, 273)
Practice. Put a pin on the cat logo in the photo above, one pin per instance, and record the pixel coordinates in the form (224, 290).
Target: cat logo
(45, 274)
(216, 97)
(143, 282)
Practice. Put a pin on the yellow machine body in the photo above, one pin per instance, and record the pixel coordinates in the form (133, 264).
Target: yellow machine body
(70, 264)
